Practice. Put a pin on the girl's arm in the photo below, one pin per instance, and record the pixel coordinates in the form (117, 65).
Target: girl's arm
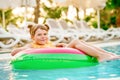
(15, 51)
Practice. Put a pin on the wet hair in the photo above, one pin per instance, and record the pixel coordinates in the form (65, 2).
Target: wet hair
(34, 27)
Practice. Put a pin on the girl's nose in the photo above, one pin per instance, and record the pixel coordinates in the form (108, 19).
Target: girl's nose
(43, 36)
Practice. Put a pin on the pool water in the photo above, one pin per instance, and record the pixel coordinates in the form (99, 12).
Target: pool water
(104, 71)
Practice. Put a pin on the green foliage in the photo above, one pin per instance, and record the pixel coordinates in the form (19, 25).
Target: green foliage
(112, 4)
(109, 5)
(94, 24)
(104, 26)
(112, 11)
(54, 12)
(10, 18)
(115, 3)
(87, 18)
(113, 20)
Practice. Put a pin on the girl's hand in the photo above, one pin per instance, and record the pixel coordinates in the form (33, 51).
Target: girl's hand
(15, 51)
(60, 45)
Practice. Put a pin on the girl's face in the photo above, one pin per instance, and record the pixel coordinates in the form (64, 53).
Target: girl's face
(40, 37)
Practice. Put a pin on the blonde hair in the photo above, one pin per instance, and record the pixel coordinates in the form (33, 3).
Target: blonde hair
(33, 28)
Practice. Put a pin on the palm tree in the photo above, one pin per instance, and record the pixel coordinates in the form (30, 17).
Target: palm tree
(37, 11)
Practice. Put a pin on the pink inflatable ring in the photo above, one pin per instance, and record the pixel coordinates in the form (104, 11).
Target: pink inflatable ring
(52, 58)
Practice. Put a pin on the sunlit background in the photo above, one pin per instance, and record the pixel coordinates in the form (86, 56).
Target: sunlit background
(71, 14)
(99, 13)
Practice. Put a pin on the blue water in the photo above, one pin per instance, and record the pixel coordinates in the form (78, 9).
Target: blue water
(105, 70)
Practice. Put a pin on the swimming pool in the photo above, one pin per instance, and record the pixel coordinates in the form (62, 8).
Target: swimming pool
(104, 71)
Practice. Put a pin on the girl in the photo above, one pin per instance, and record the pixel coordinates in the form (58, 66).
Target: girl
(39, 35)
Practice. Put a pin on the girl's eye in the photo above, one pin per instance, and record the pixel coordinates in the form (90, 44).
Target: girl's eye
(42, 34)
(39, 34)
(45, 34)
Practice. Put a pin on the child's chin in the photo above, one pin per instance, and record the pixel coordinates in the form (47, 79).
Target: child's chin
(42, 43)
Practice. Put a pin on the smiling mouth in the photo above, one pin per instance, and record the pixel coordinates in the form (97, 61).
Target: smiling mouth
(42, 40)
